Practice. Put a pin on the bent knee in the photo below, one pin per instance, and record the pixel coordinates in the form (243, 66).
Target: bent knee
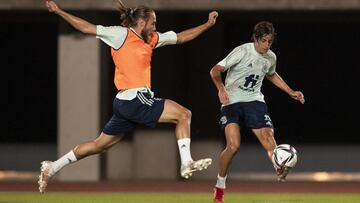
(100, 148)
(185, 115)
(233, 147)
(268, 140)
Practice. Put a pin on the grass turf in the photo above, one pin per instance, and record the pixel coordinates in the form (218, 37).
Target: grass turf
(105, 197)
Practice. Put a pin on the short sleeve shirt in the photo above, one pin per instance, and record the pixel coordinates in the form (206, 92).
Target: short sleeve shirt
(114, 36)
(246, 69)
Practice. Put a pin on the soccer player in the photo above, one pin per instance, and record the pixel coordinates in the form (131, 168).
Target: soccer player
(132, 45)
(243, 104)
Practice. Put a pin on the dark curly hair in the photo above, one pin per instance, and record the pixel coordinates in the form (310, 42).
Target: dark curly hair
(263, 28)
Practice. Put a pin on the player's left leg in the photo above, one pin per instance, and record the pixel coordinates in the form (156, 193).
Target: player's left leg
(181, 116)
(267, 140)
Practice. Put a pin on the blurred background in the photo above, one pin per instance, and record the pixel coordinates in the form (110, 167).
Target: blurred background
(57, 89)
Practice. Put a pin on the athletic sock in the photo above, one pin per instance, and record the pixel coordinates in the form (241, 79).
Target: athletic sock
(184, 149)
(220, 183)
(64, 160)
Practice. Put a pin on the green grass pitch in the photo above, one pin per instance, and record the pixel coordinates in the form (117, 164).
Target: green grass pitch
(111, 197)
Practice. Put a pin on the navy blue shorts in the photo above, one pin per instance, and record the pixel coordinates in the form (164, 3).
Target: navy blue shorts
(143, 109)
(252, 115)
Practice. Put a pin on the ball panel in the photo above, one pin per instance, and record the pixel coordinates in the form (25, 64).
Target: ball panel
(284, 155)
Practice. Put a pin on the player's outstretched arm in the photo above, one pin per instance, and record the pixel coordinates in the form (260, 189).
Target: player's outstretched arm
(280, 83)
(192, 33)
(78, 23)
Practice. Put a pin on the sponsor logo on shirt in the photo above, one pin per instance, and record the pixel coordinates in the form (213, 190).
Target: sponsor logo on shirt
(250, 82)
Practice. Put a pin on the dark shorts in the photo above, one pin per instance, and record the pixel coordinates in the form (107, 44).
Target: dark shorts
(143, 109)
(251, 115)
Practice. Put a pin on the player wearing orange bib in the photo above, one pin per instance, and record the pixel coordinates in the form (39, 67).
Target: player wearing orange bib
(131, 45)
(133, 60)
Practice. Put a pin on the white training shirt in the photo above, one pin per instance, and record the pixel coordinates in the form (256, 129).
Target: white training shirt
(115, 36)
(246, 69)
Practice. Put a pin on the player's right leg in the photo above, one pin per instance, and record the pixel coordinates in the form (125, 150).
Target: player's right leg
(232, 134)
(50, 168)
(181, 116)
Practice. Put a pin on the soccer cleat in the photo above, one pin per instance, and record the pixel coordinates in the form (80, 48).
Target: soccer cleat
(282, 173)
(46, 173)
(219, 195)
(187, 170)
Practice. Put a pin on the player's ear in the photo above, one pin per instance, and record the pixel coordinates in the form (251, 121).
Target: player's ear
(141, 23)
(254, 38)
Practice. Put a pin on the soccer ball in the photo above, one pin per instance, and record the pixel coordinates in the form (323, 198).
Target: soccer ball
(284, 155)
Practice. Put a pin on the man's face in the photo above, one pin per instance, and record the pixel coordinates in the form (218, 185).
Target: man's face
(263, 44)
(150, 27)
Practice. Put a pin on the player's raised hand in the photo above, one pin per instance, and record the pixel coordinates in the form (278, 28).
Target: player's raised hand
(52, 6)
(212, 18)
